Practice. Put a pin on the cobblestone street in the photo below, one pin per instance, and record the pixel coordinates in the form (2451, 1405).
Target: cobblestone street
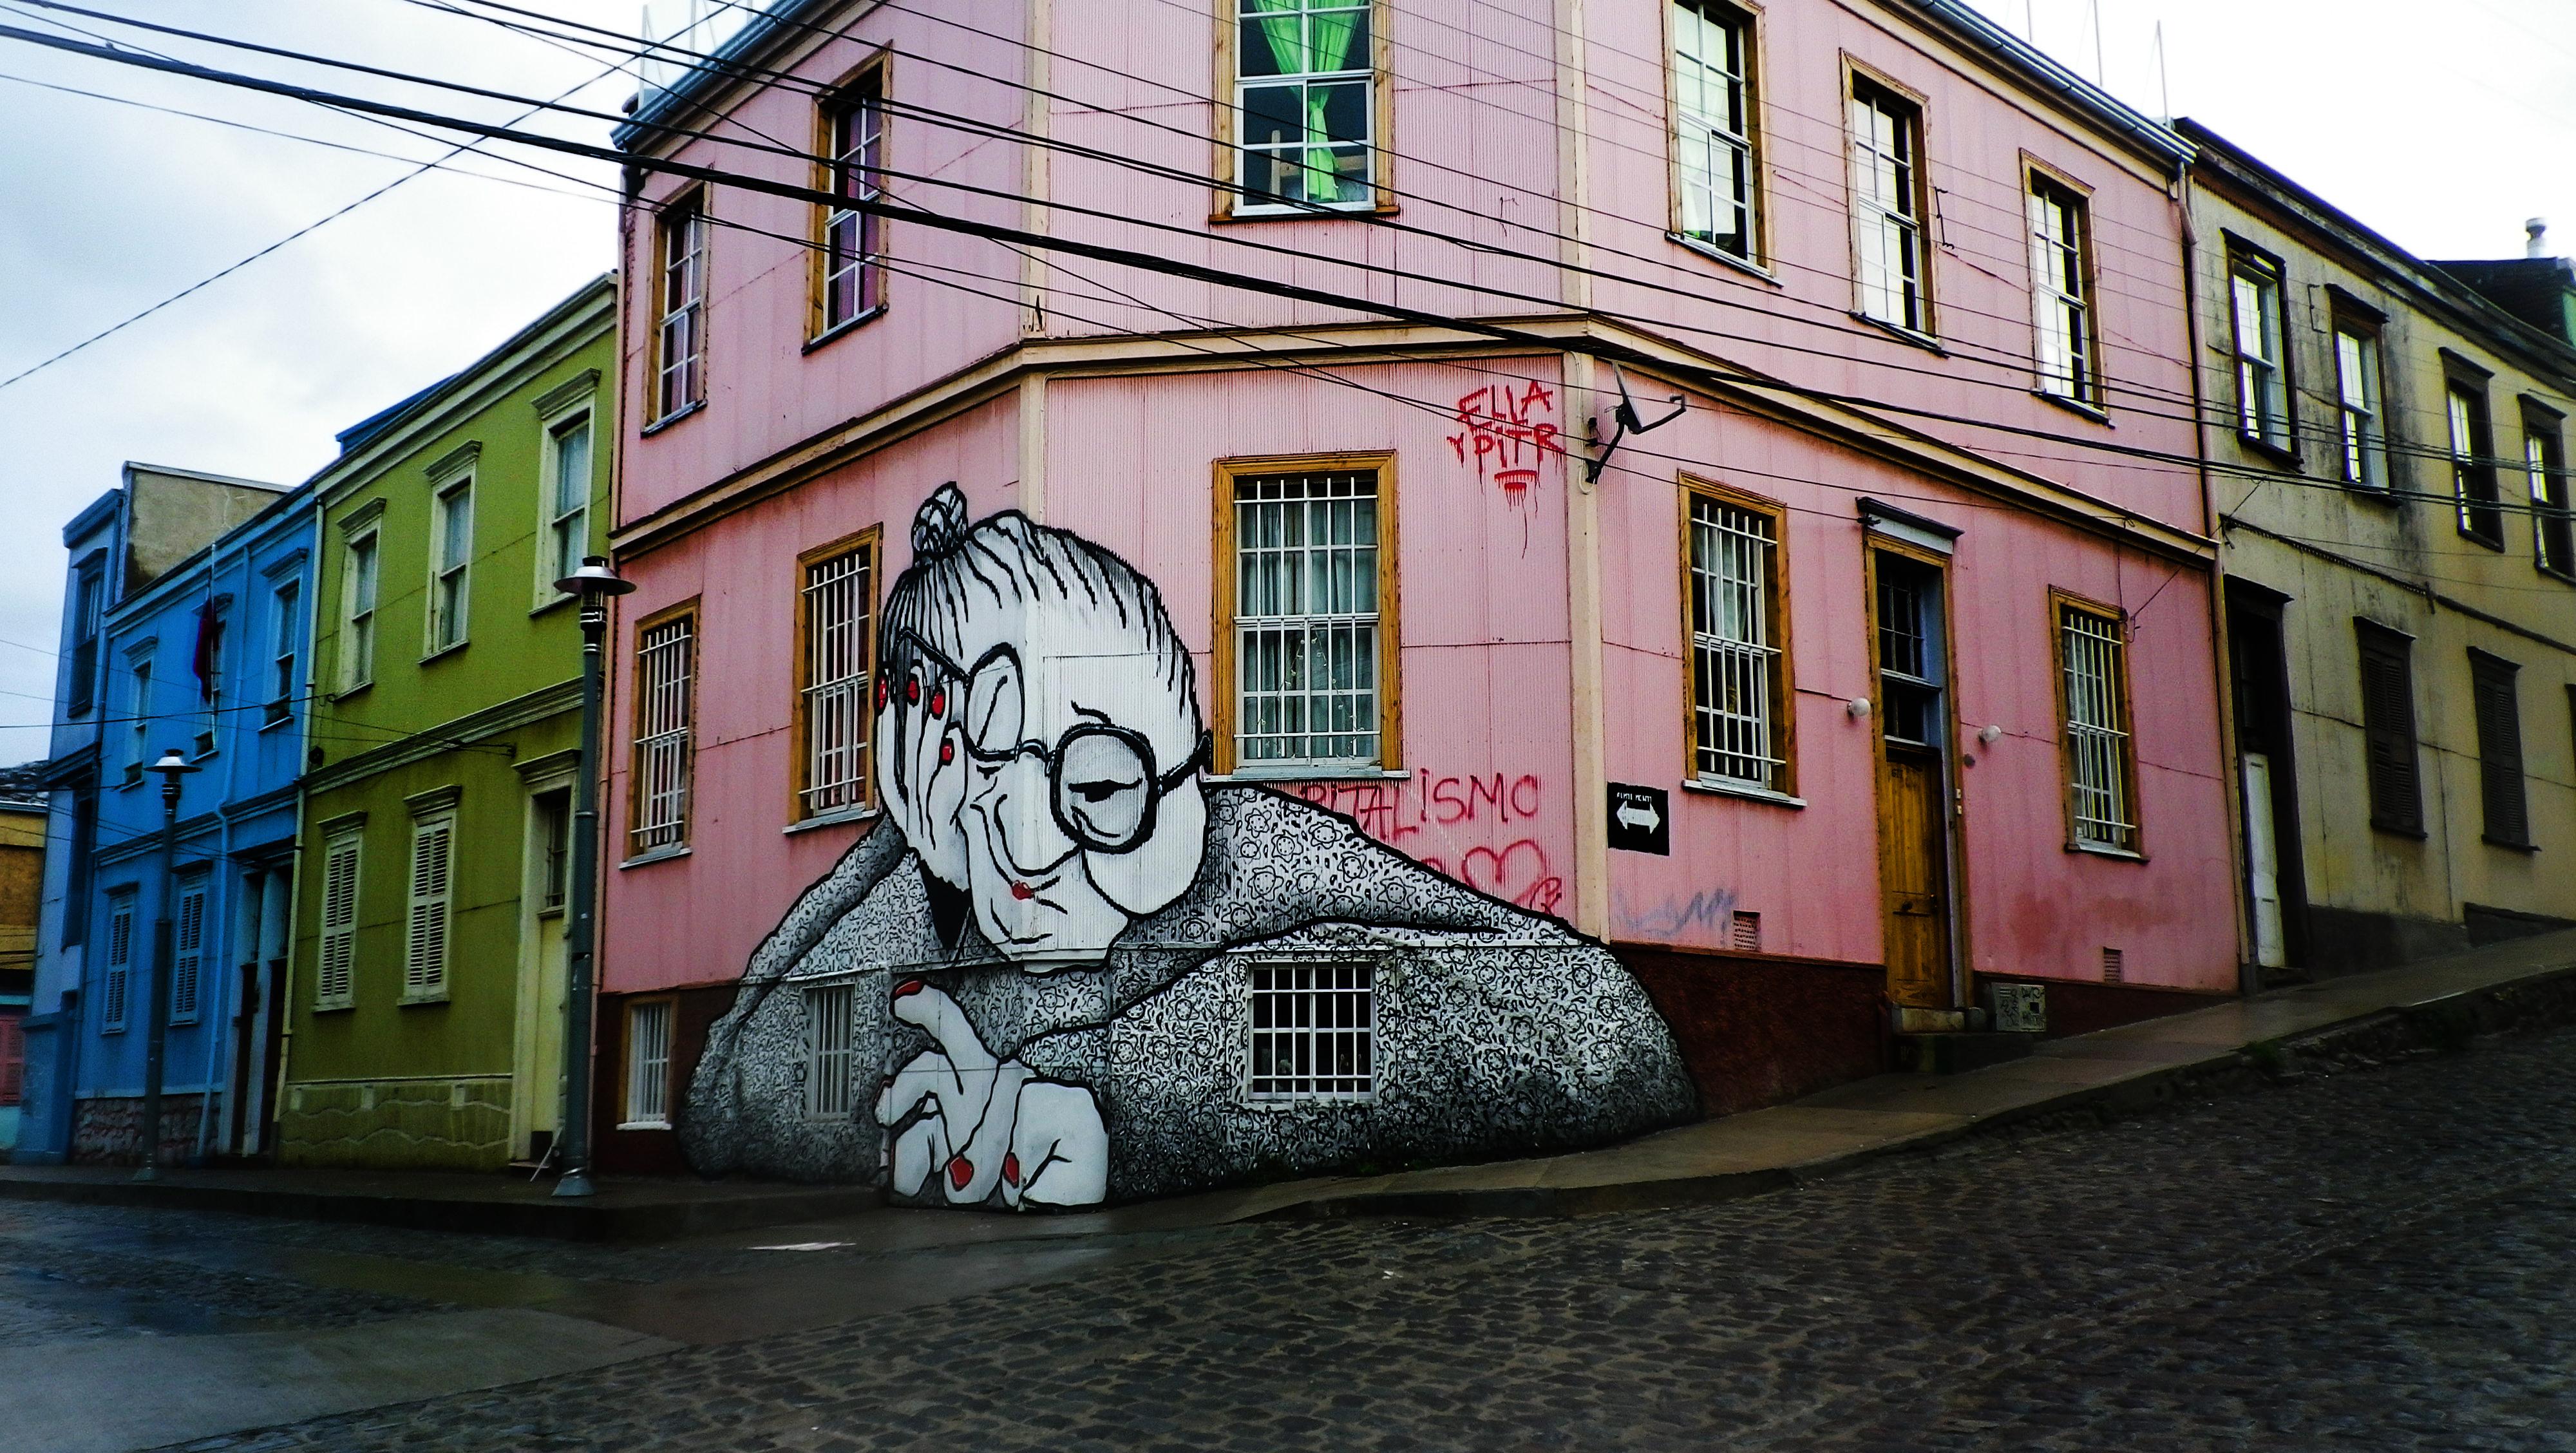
(2372, 1260)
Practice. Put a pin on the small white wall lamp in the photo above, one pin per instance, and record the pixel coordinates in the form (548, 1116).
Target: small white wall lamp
(1858, 706)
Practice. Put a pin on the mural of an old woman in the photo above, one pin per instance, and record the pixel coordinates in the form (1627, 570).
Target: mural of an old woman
(1069, 969)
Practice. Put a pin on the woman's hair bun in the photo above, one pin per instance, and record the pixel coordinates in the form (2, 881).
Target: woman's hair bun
(941, 525)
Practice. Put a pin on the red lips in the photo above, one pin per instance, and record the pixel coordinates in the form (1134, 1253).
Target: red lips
(908, 986)
(1023, 891)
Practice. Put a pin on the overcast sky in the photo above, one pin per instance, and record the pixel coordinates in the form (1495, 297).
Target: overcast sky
(2442, 128)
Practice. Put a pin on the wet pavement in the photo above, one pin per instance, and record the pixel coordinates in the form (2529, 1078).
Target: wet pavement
(2373, 1259)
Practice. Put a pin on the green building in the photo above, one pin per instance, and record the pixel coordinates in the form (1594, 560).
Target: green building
(427, 999)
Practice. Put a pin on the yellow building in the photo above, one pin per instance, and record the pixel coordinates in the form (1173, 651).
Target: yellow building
(2384, 446)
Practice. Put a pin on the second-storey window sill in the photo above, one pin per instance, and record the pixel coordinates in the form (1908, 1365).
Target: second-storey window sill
(2077, 406)
(2279, 457)
(667, 420)
(839, 817)
(2509, 845)
(847, 325)
(1903, 334)
(445, 651)
(1717, 254)
(1721, 787)
(2105, 850)
(655, 855)
(1321, 772)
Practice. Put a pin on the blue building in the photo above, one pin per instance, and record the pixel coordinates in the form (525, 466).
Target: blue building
(186, 616)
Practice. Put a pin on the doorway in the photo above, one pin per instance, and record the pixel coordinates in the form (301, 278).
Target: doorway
(1917, 858)
(538, 1065)
(2267, 782)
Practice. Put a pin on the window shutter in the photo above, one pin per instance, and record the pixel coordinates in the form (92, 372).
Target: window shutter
(13, 1059)
(2388, 726)
(332, 985)
(2500, 752)
(190, 953)
(120, 964)
(425, 954)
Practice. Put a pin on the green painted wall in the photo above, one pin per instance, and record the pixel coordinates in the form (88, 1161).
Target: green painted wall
(457, 1081)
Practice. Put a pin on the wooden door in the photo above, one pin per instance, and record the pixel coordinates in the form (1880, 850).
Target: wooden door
(1914, 878)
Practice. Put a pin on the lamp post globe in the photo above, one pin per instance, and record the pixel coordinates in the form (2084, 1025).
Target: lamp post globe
(595, 584)
(171, 768)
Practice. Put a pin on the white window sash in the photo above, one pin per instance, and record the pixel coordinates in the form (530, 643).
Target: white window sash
(1314, 157)
(2065, 342)
(2357, 397)
(680, 340)
(1712, 103)
(1306, 620)
(665, 679)
(1885, 215)
(648, 1066)
(839, 606)
(2097, 734)
(830, 1060)
(1734, 661)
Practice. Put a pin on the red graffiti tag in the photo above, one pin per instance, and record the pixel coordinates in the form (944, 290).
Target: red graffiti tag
(1505, 434)
(1450, 806)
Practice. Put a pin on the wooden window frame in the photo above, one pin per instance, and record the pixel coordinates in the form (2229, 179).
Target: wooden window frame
(1783, 674)
(1224, 708)
(2344, 319)
(426, 983)
(626, 1061)
(2474, 460)
(2060, 602)
(551, 430)
(687, 208)
(188, 961)
(354, 840)
(286, 648)
(358, 626)
(2398, 647)
(1228, 202)
(1858, 76)
(868, 83)
(800, 785)
(2503, 767)
(2544, 453)
(1748, 18)
(635, 786)
(2042, 182)
(444, 497)
(2245, 258)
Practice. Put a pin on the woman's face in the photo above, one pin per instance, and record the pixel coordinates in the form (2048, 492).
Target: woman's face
(1056, 785)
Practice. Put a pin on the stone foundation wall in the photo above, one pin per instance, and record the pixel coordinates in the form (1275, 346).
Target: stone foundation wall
(109, 1131)
(460, 1124)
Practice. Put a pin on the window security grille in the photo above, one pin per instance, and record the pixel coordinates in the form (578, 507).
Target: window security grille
(2097, 730)
(648, 1065)
(1314, 1032)
(334, 983)
(2365, 453)
(2500, 784)
(2061, 294)
(665, 675)
(1712, 104)
(839, 599)
(2473, 479)
(1735, 665)
(1305, 85)
(120, 963)
(188, 959)
(2262, 390)
(829, 1057)
(425, 943)
(680, 337)
(853, 280)
(1887, 207)
(1306, 618)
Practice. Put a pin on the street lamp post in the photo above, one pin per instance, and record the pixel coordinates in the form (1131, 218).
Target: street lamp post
(594, 582)
(156, 1039)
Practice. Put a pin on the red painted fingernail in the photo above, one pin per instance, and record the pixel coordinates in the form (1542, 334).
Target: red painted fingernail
(947, 753)
(1011, 1167)
(912, 689)
(939, 703)
(1023, 892)
(881, 696)
(960, 1171)
(908, 986)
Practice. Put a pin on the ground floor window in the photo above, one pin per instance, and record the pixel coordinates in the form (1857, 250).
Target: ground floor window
(828, 1057)
(2100, 768)
(1314, 1032)
(648, 1066)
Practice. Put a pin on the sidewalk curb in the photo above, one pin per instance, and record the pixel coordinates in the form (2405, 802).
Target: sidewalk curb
(2446, 1023)
(550, 1220)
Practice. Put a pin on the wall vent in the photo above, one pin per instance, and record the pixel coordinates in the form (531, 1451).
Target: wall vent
(1748, 932)
(2112, 968)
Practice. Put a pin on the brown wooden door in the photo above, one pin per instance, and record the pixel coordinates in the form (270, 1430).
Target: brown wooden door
(1914, 877)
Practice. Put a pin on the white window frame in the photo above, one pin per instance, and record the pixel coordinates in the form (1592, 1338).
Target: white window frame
(665, 717)
(1248, 155)
(2258, 300)
(853, 242)
(828, 1068)
(210, 691)
(1321, 1042)
(1736, 616)
(2101, 764)
(451, 565)
(649, 1023)
(188, 949)
(1892, 271)
(286, 646)
(138, 736)
(1300, 523)
(559, 528)
(116, 980)
(2064, 345)
(835, 720)
(336, 968)
(2363, 455)
(2541, 440)
(680, 301)
(361, 582)
(429, 910)
(2466, 408)
(1711, 56)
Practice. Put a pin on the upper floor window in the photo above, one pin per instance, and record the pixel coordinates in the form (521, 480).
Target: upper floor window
(566, 499)
(1304, 654)
(665, 680)
(2061, 291)
(1305, 99)
(2473, 475)
(680, 301)
(1739, 673)
(836, 617)
(2363, 437)
(2544, 452)
(287, 624)
(851, 258)
(212, 627)
(2101, 765)
(450, 561)
(1713, 125)
(138, 732)
(358, 626)
(1888, 206)
(88, 591)
(2262, 367)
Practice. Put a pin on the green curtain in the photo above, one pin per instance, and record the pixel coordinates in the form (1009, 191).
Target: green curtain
(1304, 43)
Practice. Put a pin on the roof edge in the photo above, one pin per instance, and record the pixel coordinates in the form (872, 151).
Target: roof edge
(2153, 135)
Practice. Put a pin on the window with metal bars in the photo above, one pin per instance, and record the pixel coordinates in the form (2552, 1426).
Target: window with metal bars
(648, 1065)
(1713, 125)
(188, 950)
(2388, 729)
(2473, 475)
(838, 610)
(2262, 368)
(2101, 774)
(1305, 104)
(2500, 785)
(1738, 684)
(665, 680)
(2553, 529)
(427, 920)
(2364, 440)
(679, 347)
(1306, 645)
(830, 1051)
(335, 979)
(2062, 292)
(1887, 206)
(1313, 1030)
(116, 985)
(852, 255)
